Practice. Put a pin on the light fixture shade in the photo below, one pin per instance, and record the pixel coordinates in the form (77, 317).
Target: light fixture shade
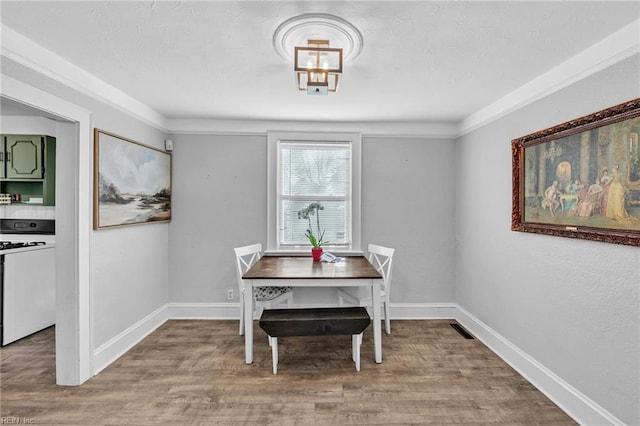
(305, 85)
(317, 67)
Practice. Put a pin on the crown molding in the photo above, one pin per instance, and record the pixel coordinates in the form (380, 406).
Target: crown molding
(20, 49)
(613, 49)
(260, 127)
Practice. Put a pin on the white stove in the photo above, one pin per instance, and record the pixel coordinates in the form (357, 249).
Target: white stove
(12, 245)
(27, 277)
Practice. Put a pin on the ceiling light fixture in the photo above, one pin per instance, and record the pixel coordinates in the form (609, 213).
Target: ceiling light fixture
(317, 67)
(318, 44)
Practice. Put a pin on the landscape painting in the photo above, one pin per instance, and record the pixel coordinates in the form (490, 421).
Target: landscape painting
(581, 179)
(132, 182)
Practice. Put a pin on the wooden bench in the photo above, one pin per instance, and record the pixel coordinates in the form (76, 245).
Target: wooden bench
(315, 322)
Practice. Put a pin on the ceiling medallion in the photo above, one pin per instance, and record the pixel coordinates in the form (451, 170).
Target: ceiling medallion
(318, 44)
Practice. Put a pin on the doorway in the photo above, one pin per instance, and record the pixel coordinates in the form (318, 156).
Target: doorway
(73, 226)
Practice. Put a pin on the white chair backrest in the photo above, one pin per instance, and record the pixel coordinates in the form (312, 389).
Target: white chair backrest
(246, 257)
(382, 258)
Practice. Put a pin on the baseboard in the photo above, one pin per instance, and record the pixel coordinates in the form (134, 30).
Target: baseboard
(577, 405)
(221, 311)
(117, 346)
(417, 311)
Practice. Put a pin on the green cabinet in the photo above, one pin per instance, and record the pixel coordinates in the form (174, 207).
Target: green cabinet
(27, 167)
(23, 157)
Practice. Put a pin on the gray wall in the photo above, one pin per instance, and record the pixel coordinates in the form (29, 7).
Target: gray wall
(571, 305)
(408, 202)
(220, 203)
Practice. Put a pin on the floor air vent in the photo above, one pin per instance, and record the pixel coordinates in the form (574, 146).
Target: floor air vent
(464, 333)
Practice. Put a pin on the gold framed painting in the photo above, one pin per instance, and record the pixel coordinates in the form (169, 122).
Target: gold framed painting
(581, 179)
(132, 182)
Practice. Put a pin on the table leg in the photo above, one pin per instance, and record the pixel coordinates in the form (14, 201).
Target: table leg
(248, 321)
(377, 319)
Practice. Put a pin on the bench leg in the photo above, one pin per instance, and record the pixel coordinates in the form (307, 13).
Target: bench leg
(273, 342)
(356, 342)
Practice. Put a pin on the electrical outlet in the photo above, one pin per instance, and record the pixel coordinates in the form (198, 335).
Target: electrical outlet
(230, 294)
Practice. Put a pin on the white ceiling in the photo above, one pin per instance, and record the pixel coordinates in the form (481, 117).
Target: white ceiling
(422, 61)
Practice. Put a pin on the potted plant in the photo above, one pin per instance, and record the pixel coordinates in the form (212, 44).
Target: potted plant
(316, 240)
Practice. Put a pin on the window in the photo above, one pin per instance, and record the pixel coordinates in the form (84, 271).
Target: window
(307, 168)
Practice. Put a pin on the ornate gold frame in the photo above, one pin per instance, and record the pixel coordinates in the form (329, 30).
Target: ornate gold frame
(526, 215)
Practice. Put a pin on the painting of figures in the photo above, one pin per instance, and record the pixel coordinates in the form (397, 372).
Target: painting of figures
(132, 182)
(582, 178)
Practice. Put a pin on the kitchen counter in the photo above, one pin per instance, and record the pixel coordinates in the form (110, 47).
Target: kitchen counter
(29, 248)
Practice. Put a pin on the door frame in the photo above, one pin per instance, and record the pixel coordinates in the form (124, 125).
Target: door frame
(74, 358)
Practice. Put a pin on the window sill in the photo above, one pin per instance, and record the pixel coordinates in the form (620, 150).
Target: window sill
(307, 252)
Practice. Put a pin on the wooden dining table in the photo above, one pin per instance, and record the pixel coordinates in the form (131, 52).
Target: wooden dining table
(292, 271)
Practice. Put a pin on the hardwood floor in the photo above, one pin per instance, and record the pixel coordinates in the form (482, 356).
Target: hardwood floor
(193, 372)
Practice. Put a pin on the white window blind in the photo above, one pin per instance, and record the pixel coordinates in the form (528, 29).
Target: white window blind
(309, 168)
(315, 173)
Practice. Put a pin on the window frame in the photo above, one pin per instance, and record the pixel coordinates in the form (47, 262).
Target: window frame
(273, 180)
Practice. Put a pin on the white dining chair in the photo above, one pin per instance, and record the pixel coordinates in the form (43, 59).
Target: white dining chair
(264, 297)
(382, 259)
